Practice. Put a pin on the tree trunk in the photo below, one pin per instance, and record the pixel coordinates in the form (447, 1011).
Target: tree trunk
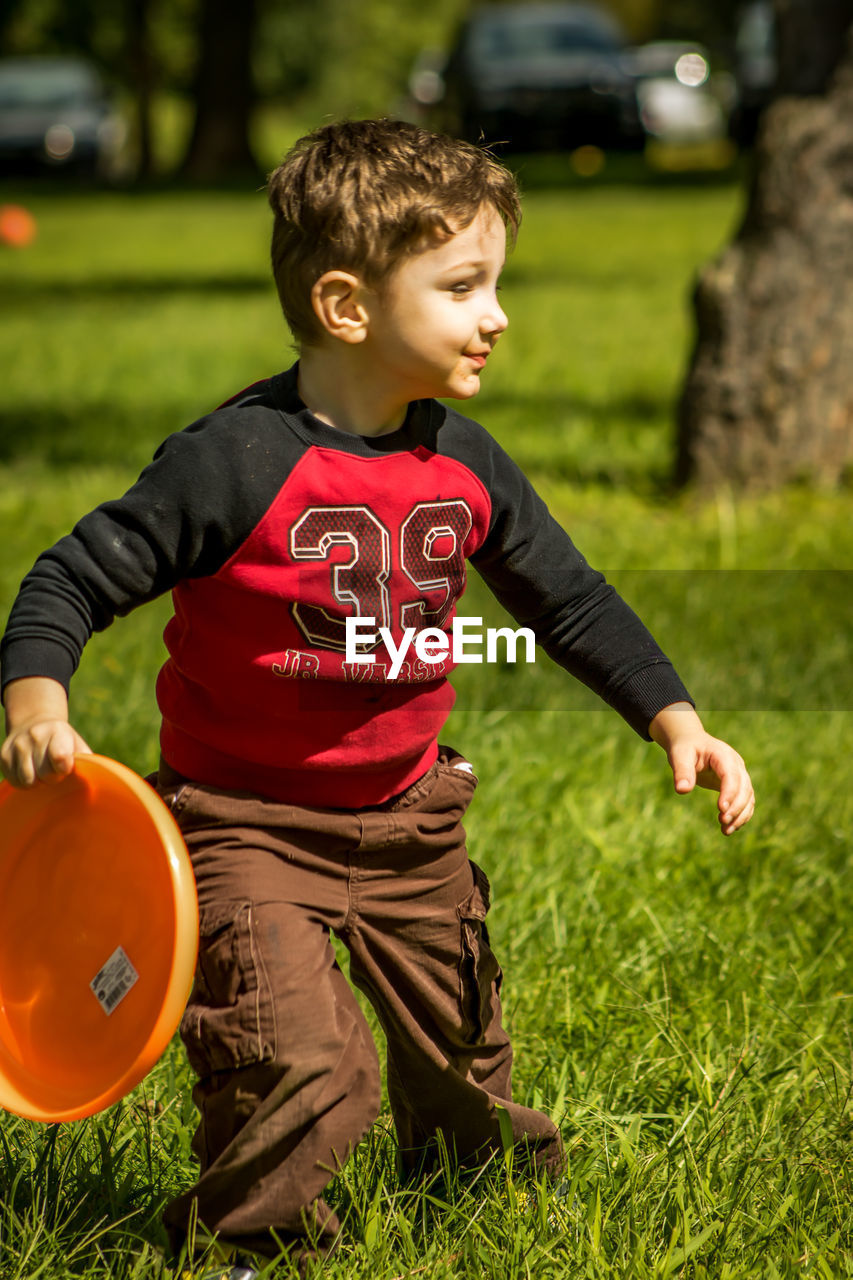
(220, 148)
(768, 397)
(141, 69)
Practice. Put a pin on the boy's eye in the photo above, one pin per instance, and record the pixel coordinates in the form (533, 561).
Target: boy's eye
(460, 287)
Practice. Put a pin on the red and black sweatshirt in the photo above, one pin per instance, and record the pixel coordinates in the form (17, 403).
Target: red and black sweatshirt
(270, 527)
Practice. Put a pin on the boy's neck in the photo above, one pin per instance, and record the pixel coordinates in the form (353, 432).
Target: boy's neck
(333, 385)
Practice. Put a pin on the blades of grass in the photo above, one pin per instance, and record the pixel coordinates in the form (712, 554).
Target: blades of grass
(678, 1258)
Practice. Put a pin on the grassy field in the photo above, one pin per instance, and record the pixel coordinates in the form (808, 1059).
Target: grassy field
(679, 1002)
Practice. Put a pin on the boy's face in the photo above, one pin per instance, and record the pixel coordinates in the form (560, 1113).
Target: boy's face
(438, 316)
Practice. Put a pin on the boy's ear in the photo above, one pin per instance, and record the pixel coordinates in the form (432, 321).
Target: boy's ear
(338, 302)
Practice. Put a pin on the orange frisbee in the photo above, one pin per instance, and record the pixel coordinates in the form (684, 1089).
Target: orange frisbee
(98, 939)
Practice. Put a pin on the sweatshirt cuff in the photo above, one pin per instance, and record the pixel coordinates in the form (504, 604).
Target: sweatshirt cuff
(645, 693)
(20, 660)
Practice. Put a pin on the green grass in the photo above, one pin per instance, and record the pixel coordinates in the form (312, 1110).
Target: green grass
(679, 1002)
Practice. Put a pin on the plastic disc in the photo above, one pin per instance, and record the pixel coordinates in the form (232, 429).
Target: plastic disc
(98, 939)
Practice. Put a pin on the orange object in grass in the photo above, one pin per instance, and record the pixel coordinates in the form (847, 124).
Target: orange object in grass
(17, 226)
(98, 939)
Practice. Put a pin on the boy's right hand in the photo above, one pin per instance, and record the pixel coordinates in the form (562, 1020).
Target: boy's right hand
(40, 745)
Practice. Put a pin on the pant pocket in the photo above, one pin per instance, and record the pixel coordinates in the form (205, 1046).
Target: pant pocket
(230, 1018)
(480, 975)
(451, 758)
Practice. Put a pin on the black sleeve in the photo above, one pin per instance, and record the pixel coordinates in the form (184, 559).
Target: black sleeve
(537, 573)
(190, 509)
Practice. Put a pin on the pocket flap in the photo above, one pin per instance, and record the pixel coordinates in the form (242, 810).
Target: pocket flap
(476, 905)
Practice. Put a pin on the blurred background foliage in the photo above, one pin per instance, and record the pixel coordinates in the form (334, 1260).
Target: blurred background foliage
(309, 58)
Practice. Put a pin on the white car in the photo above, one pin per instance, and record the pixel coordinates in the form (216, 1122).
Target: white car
(684, 107)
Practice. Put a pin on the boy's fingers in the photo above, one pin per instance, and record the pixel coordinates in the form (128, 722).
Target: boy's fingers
(19, 768)
(50, 758)
(737, 798)
(58, 763)
(725, 772)
(683, 764)
(61, 750)
(722, 770)
(734, 783)
(29, 758)
(734, 821)
(741, 806)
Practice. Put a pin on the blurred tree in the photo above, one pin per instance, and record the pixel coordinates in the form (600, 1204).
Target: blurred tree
(767, 397)
(89, 27)
(140, 62)
(370, 48)
(292, 49)
(323, 57)
(223, 92)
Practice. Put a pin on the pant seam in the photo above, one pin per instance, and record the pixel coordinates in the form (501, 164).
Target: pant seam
(352, 887)
(263, 978)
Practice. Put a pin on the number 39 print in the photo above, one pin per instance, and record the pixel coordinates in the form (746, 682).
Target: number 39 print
(431, 556)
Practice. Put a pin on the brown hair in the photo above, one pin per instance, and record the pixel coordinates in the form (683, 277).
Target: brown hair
(363, 194)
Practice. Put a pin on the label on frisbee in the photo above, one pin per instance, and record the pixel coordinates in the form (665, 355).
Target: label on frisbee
(112, 983)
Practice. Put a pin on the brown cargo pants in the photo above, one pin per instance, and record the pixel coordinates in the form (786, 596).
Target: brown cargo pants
(288, 1073)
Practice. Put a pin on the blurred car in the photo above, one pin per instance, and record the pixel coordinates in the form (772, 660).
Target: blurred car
(55, 115)
(534, 77)
(684, 106)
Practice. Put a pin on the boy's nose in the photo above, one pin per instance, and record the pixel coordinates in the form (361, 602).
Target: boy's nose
(495, 320)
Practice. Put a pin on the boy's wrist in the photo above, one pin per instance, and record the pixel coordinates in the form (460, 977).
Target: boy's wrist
(678, 720)
(34, 698)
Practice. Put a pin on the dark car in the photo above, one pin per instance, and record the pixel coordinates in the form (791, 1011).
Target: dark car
(538, 77)
(55, 115)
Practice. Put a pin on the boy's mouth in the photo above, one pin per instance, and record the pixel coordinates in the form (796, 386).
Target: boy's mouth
(478, 360)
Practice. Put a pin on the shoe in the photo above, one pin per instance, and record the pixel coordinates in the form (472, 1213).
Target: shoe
(235, 1268)
(558, 1205)
(219, 1272)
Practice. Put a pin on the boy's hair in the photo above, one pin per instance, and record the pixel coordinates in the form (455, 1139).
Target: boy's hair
(363, 194)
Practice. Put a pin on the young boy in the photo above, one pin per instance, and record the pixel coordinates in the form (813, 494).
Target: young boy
(310, 788)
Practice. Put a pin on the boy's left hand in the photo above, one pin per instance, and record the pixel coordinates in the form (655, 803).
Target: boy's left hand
(698, 759)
